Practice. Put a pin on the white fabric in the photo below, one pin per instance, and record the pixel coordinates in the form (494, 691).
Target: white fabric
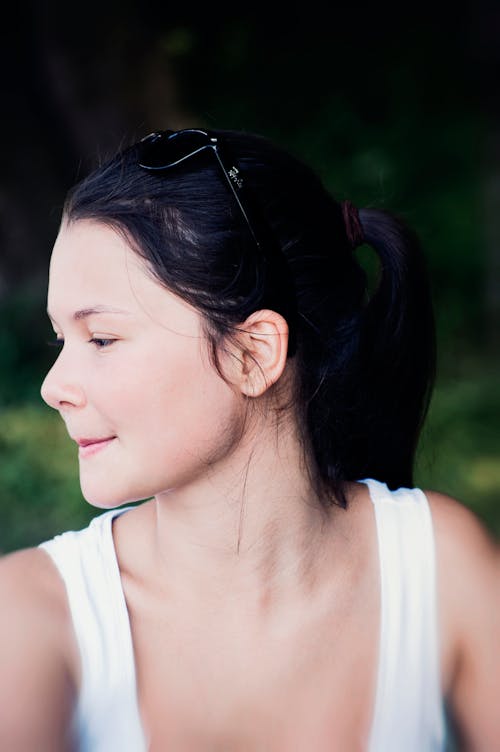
(107, 715)
(409, 713)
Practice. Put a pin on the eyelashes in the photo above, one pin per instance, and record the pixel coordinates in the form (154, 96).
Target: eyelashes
(99, 342)
(55, 343)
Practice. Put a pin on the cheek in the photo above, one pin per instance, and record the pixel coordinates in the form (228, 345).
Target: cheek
(194, 419)
(181, 390)
(172, 424)
(190, 413)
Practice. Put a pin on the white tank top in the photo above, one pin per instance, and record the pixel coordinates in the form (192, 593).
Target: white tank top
(409, 711)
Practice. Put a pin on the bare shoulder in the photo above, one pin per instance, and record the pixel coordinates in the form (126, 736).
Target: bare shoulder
(34, 654)
(30, 570)
(460, 532)
(31, 585)
(468, 563)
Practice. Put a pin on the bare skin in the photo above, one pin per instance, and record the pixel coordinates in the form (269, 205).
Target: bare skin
(279, 655)
(254, 614)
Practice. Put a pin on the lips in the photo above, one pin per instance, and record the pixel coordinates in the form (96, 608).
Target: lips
(88, 442)
(88, 447)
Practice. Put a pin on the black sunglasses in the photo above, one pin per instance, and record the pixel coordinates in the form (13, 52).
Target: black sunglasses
(164, 149)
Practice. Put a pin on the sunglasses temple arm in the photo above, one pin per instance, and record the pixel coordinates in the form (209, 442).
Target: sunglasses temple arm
(233, 189)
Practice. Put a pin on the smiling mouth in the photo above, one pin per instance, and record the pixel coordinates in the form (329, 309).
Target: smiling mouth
(88, 447)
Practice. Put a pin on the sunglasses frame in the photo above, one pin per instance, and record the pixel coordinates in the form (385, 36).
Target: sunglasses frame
(212, 143)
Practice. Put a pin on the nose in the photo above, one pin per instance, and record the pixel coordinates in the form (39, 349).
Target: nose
(61, 387)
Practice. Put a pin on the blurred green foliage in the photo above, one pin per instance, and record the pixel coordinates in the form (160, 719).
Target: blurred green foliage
(39, 490)
(459, 451)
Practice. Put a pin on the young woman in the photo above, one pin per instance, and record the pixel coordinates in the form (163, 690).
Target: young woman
(281, 586)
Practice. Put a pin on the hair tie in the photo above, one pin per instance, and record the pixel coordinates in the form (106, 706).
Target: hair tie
(353, 227)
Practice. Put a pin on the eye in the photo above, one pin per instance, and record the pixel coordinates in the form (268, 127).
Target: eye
(101, 342)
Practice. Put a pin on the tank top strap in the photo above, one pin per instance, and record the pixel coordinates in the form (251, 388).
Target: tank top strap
(107, 716)
(409, 709)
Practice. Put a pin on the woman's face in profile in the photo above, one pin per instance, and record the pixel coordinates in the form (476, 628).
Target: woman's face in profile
(133, 381)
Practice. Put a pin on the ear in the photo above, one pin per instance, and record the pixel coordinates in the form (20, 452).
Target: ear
(263, 346)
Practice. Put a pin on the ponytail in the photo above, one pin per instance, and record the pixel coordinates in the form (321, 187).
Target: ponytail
(398, 349)
(371, 398)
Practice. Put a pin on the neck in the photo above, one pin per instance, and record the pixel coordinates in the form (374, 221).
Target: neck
(251, 526)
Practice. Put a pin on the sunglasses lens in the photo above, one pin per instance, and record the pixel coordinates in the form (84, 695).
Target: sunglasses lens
(162, 150)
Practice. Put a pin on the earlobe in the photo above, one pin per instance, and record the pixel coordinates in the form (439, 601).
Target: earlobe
(263, 338)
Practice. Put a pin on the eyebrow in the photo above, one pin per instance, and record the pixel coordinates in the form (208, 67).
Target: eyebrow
(84, 313)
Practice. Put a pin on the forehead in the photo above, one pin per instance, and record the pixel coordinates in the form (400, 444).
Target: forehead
(92, 265)
(91, 256)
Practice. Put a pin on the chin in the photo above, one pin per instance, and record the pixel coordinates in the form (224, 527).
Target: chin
(108, 499)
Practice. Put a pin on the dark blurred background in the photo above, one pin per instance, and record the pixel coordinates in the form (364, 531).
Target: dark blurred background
(395, 106)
